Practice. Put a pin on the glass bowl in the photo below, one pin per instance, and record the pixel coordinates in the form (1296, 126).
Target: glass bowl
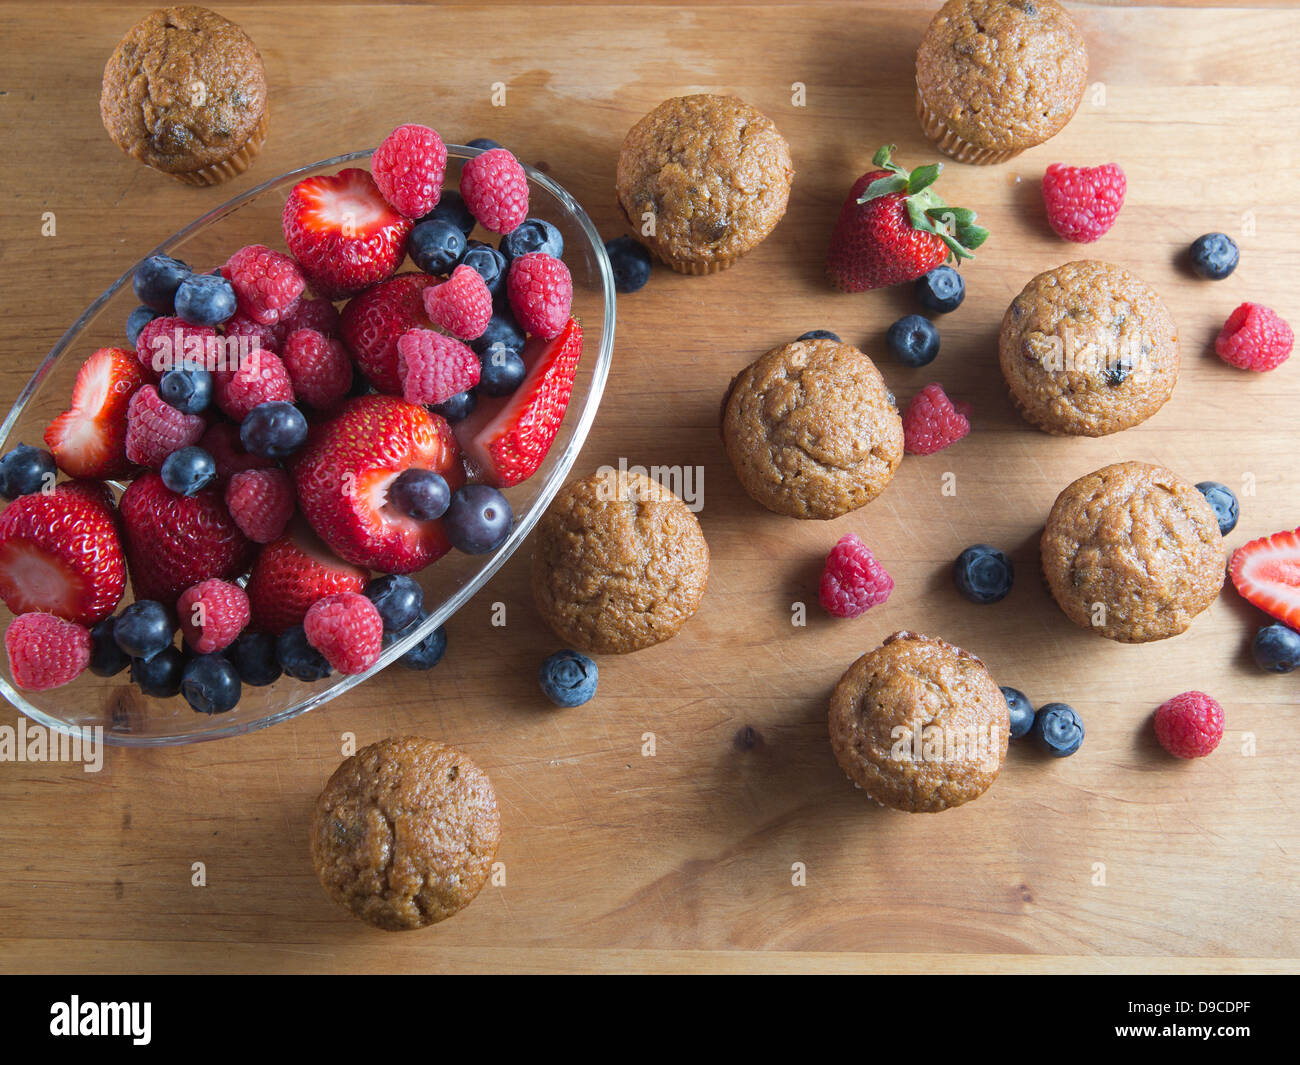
(130, 718)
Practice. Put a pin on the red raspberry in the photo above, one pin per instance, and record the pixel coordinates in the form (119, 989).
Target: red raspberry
(1083, 201)
(154, 428)
(260, 379)
(853, 581)
(319, 314)
(266, 337)
(1189, 725)
(45, 651)
(495, 189)
(319, 368)
(1254, 338)
(167, 343)
(409, 167)
(267, 283)
(347, 629)
(462, 304)
(212, 613)
(433, 368)
(931, 422)
(222, 442)
(541, 293)
(261, 502)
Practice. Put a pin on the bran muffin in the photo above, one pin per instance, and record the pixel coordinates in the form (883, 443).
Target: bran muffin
(1088, 349)
(812, 430)
(619, 563)
(919, 724)
(1141, 543)
(994, 77)
(185, 93)
(404, 833)
(714, 173)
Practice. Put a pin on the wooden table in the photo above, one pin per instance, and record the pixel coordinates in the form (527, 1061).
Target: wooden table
(1116, 859)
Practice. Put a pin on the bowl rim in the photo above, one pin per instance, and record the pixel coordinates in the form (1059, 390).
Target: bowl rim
(453, 603)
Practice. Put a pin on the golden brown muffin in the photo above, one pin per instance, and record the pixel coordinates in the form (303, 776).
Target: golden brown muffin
(1088, 349)
(994, 77)
(811, 429)
(619, 563)
(404, 833)
(185, 93)
(919, 724)
(1133, 552)
(713, 172)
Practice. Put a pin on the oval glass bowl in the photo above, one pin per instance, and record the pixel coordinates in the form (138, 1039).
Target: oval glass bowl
(130, 718)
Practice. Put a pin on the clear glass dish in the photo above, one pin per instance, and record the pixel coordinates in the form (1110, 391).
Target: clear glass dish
(130, 718)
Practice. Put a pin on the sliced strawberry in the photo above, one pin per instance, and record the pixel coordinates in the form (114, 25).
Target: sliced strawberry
(89, 440)
(1267, 573)
(372, 322)
(293, 572)
(506, 439)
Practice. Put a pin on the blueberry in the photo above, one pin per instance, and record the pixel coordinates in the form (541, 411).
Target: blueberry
(630, 261)
(486, 143)
(25, 470)
(532, 234)
(210, 684)
(136, 321)
(273, 430)
(502, 373)
(1276, 648)
(502, 333)
(913, 341)
(1117, 373)
(1223, 503)
(490, 264)
(460, 406)
(451, 207)
(568, 678)
(419, 494)
(156, 281)
(106, 658)
(159, 676)
(205, 299)
(1214, 256)
(398, 599)
(298, 658)
(428, 652)
(820, 334)
(188, 390)
(1021, 711)
(436, 246)
(254, 657)
(478, 520)
(143, 629)
(1058, 729)
(941, 290)
(983, 574)
(187, 470)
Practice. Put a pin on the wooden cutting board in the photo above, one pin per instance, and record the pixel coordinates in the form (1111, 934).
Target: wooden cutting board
(1118, 858)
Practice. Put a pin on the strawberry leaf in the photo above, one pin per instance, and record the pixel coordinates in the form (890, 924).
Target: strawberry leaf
(883, 187)
(923, 177)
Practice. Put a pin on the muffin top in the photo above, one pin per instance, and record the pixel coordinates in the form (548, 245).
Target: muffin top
(812, 429)
(1088, 349)
(185, 88)
(714, 172)
(1139, 542)
(1003, 74)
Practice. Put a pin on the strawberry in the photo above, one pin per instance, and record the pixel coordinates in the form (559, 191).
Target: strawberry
(343, 472)
(506, 438)
(374, 320)
(1267, 573)
(290, 574)
(60, 553)
(894, 228)
(89, 440)
(343, 233)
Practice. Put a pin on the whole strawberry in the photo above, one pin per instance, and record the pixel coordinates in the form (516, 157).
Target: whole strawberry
(373, 321)
(894, 228)
(292, 573)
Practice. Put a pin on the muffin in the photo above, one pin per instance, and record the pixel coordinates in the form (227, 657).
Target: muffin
(919, 724)
(619, 563)
(1133, 552)
(811, 429)
(712, 172)
(185, 93)
(1088, 349)
(404, 833)
(994, 77)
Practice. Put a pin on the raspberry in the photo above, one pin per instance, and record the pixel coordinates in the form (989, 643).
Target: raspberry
(1083, 201)
(541, 293)
(261, 502)
(267, 283)
(433, 368)
(347, 629)
(320, 315)
(45, 651)
(853, 581)
(495, 189)
(932, 422)
(154, 428)
(168, 343)
(212, 613)
(462, 304)
(260, 379)
(408, 168)
(1254, 338)
(1189, 725)
(319, 368)
(222, 442)
(264, 337)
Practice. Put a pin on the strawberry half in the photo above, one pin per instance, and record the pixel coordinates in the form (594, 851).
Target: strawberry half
(343, 233)
(89, 439)
(506, 439)
(372, 322)
(1267, 573)
(290, 574)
